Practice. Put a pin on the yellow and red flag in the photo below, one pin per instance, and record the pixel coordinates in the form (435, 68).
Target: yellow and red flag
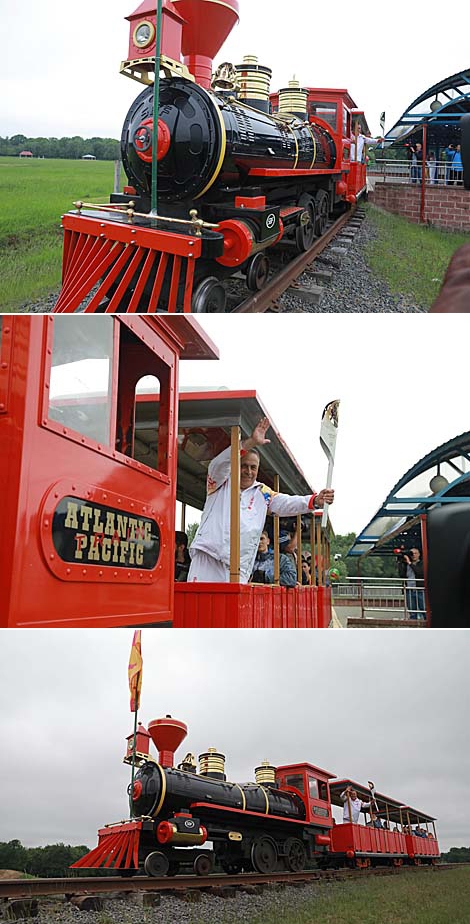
(135, 671)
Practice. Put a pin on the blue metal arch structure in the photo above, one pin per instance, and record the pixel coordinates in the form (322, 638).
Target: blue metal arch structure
(440, 477)
(440, 106)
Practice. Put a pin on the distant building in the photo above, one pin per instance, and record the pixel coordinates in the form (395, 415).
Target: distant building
(88, 157)
(26, 154)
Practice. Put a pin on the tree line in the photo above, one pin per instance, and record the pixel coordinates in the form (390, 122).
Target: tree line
(62, 148)
(53, 860)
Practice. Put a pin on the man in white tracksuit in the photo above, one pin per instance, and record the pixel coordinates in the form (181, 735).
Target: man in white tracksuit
(210, 550)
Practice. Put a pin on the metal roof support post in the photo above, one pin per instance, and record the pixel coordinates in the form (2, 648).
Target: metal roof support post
(235, 506)
(313, 575)
(424, 548)
(423, 175)
(183, 517)
(299, 548)
(277, 559)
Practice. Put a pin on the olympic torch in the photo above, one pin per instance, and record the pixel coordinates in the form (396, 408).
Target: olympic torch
(328, 434)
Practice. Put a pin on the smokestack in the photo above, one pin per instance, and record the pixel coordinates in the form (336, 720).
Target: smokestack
(207, 25)
(167, 735)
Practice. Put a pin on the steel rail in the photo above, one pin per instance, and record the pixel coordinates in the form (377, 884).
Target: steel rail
(266, 298)
(94, 885)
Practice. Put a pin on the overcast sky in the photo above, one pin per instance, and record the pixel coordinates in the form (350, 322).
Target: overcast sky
(60, 61)
(402, 381)
(391, 708)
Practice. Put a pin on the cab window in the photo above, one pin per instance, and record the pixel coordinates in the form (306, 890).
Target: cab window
(326, 111)
(297, 782)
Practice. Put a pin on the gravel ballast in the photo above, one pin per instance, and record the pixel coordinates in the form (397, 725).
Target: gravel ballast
(197, 908)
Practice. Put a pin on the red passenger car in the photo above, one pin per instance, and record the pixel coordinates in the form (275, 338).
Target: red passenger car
(386, 836)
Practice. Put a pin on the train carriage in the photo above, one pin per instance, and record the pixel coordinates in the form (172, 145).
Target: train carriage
(92, 466)
(373, 843)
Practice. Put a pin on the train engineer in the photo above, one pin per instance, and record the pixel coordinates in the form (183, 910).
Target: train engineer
(210, 550)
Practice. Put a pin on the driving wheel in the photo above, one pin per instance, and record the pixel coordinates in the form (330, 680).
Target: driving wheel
(296, 855)
(264, 855)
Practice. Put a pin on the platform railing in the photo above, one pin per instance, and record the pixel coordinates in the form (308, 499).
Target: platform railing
(437, 173)
(381, 598)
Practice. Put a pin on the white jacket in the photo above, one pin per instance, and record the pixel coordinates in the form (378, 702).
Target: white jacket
(213, 535)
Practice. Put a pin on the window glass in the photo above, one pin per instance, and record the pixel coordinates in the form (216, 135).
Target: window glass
(323, 792)
(324, 110)
(312, 788)
(80, 384)
(296, 781)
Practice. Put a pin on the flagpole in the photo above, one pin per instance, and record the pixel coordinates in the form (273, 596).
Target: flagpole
(131, 793)
(156, 108)
(328, 434)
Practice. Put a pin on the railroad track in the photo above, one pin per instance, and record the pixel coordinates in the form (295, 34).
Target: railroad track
(268, 298)
(96, 885)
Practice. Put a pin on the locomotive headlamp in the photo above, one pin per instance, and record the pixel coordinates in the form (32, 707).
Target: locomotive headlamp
(144, 34)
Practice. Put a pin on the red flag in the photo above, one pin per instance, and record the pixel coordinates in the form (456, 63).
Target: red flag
(135, 671)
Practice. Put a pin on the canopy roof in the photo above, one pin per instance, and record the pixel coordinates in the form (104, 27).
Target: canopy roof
(386, 806)
(441, 107)
(440, 477)
(205, 418)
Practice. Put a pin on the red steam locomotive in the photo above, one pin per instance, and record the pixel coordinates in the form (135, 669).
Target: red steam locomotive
(283, 820)
(239, 169)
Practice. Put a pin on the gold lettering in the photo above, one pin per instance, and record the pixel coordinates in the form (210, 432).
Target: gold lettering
(131, 553)
(121, 526)
(115, 550)
(110, 525)
(94, 551)
(124, 550)
(147, 532)
(71, 520)
(82, 543)
(139, 554)
(97, 524)
(86, 513)
(132, 528)
(106, 550)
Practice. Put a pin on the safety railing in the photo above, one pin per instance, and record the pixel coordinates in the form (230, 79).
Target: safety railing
(436, 172)
(381, 598)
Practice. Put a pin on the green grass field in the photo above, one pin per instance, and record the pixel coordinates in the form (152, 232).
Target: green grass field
(419, 897)
(34, 195)
(411, 258)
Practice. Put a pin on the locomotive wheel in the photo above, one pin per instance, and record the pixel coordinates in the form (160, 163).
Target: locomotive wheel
(322, 211)
(210, 296)
(257, 272)
(296, 855)
(202, 865)
(264, 855)
(305, 233)
(156, 864)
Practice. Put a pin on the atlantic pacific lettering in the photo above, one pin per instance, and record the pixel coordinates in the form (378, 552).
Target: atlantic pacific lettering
(83, 532)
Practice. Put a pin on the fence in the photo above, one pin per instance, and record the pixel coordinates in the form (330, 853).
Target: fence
(437, 173)
(382, 598)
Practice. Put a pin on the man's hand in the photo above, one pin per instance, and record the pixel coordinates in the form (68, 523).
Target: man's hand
(326, 496)
(258, 437)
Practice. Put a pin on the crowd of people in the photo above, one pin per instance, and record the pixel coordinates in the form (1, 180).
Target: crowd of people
(451, 171)
(263, 568)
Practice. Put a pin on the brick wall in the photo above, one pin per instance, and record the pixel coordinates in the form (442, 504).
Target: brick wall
(445, 206)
